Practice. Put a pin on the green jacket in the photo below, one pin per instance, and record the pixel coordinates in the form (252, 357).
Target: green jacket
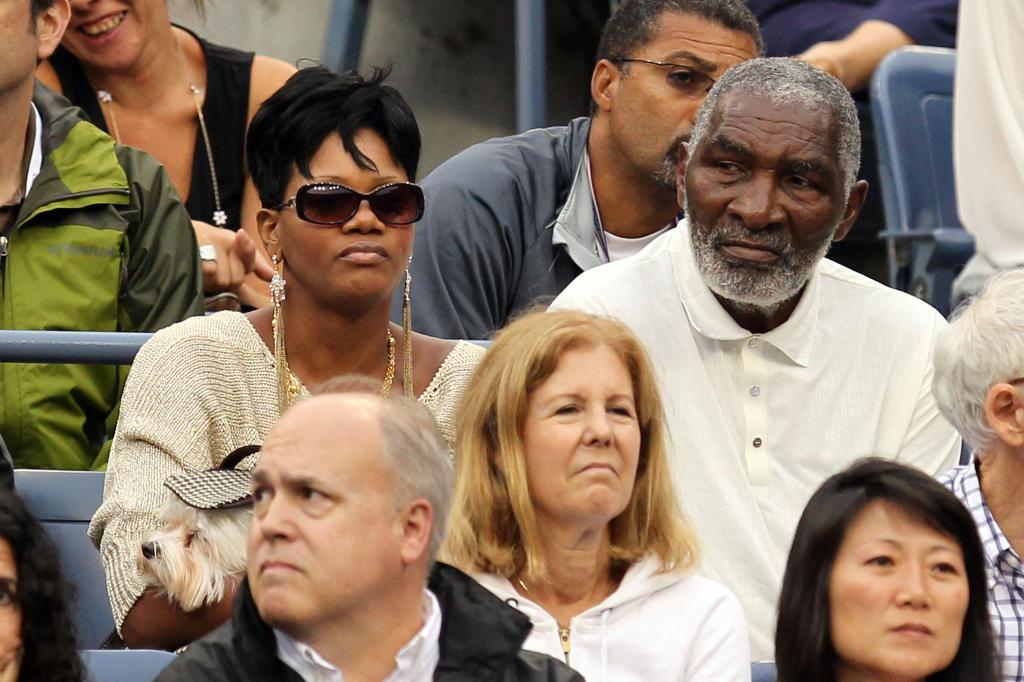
(101, 243)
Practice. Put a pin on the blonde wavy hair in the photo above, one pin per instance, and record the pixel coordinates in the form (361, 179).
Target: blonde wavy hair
(493, 528)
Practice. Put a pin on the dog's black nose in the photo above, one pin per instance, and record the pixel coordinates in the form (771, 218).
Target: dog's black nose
(148, 550)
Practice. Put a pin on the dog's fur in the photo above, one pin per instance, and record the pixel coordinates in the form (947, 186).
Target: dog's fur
(196, 553)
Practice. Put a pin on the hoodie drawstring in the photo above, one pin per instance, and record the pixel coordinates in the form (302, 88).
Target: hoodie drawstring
(604, 643)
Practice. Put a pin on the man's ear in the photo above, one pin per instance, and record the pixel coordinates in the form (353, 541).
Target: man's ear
(1004, 413)
(604, 84)
(266, 225)
(853, 205)
(684, 156)
(50, 26)
(416, 522)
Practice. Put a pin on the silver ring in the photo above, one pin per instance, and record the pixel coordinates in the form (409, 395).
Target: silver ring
(208, 252)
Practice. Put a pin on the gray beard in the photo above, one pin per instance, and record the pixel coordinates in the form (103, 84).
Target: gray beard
(665, 174)
(762, 288)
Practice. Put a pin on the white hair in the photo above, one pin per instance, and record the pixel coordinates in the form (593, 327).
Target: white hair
(983, 345)
(789, 81)
(420, 459)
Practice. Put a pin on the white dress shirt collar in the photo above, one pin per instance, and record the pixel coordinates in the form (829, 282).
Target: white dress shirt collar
(795, 337)
(415, 662)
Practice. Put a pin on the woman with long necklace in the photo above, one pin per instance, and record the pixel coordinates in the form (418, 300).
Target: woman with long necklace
(163, 89)
(333, 158)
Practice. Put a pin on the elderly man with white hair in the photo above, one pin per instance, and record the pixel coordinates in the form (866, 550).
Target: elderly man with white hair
(778, 367)
(979, 387)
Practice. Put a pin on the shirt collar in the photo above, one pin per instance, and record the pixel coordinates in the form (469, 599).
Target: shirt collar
(415, 661)
(35, 163)
(794, 337)
(578, 224)
(993, 541)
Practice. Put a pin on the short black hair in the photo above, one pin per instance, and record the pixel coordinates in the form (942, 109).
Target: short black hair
(293, 123)
(39, 6)
(803, 634)
(47, 635)
(632, 24)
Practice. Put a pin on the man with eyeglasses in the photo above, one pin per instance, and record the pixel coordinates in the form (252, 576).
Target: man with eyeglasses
(511, 221)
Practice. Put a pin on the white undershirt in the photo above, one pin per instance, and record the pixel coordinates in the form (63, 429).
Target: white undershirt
(622, 247)
(414, 663)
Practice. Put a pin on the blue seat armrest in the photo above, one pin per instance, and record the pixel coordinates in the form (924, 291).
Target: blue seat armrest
(953, 248)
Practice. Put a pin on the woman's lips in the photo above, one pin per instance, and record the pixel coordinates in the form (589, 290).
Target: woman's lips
(103, 26)
(364, 253)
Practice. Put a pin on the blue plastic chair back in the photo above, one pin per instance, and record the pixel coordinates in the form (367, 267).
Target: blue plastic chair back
(912, 101)
(125, 665)
(64, 502)
(762, 671)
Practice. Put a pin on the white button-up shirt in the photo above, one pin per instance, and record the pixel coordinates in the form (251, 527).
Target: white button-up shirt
(757, 422)
(414, 663)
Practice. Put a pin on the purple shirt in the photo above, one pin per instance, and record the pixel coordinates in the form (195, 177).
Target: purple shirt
(792, 26)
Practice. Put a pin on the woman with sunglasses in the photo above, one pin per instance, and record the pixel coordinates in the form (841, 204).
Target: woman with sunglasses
(332, 158)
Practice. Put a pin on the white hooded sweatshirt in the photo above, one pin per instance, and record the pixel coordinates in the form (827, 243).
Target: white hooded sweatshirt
(656, 627)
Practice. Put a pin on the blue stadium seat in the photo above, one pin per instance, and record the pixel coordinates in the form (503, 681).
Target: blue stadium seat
(762, 671)
(912, 102)
(64, 501)
(125, 665)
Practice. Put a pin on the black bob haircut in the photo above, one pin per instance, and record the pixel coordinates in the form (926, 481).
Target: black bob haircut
(293, 123)
(803, 634)
(632, 24)
(47, 635)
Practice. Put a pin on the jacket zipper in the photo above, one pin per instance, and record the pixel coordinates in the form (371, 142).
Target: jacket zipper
(563, 634)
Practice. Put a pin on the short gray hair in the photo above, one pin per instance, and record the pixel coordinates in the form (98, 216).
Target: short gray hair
(784, 81)
(983, 345)
(420, 460)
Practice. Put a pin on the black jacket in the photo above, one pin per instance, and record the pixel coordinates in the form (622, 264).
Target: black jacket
(481, 640)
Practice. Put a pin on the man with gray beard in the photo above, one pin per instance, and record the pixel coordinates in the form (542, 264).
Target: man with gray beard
(511, 221)
(778, 367)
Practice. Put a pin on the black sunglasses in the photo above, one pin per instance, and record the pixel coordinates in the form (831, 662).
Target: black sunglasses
(326, 203)
(687, 80)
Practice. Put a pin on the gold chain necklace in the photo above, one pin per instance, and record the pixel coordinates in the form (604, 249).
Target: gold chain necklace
(220, 217)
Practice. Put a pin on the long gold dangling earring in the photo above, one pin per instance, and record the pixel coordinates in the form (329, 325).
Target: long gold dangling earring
(277, 297)
(407, 333)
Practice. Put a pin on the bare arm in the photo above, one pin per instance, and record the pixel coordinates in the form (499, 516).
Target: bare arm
(267, 76)
(156, 623)
(854, 58)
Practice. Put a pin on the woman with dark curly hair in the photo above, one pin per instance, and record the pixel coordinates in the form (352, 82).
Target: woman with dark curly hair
(37, 641)
(885, 581)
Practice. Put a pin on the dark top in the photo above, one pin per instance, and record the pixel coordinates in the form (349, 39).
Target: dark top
(226, 110)
(481, 641)
(791, 26)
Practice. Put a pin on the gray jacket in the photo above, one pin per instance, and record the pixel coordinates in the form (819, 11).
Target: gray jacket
(509, 223)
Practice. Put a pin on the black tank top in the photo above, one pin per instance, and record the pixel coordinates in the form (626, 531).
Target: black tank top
(226, 110)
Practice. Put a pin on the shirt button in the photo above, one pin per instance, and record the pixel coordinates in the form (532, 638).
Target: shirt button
(757, 442)
(753, 342)
(755, 391)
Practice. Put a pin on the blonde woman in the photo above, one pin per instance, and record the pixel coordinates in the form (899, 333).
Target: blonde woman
(565, 508)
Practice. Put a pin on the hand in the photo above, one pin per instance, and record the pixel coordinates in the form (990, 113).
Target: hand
(237, 256)
(826, 56)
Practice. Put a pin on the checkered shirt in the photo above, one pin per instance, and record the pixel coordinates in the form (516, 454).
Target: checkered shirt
(1004, 569)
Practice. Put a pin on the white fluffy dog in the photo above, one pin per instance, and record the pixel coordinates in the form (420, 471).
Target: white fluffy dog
(200, 547)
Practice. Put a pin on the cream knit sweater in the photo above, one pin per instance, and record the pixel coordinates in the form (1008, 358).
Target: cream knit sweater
(198, 390)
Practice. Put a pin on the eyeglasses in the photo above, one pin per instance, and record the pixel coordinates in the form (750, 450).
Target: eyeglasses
(688, 81)
(326, 203)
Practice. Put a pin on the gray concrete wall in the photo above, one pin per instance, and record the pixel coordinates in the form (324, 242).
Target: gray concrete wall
(454, 60)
